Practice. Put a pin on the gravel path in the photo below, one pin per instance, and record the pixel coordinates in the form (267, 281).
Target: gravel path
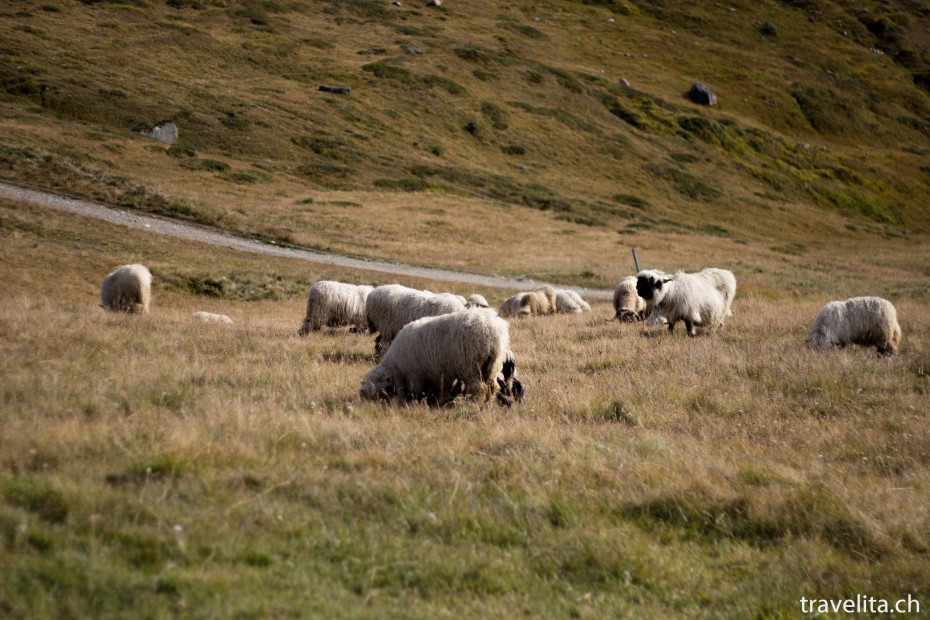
(202, 234)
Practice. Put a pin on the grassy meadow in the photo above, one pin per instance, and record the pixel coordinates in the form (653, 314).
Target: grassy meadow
(159, 467)
(155, 467)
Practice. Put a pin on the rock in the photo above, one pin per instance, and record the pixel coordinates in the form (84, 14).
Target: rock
(396, 3)
(413, 51)
(624, 82)
(769, 29)
(700, 93)
(339, 90)
(165, 131)
(434, 3)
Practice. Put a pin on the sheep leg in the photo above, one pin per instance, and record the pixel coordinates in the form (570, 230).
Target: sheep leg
(690, 327)
(671, 326)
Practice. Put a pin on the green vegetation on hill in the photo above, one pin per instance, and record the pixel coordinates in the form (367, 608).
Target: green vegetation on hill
(520, 104)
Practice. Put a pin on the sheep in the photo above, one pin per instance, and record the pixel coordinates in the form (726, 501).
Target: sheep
(725, 282)
(869, 321)
(442, 357)
(209, 317)
(536, 302)
(127, 289)
(335, 304)
(699, 299)
(511, 306)
(568, 301)
(392, 306)
(476, 300)
(628, 305)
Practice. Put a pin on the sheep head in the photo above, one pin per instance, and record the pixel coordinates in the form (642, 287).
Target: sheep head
(651, 285)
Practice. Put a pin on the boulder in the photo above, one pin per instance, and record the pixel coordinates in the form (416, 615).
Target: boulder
(165, 131)
(700, 93)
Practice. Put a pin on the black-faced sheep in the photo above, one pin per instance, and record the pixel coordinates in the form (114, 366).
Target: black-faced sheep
(531, 303)
(869, 321)
(392, 306)
(699, 299)
(210, 317)
(335, 304)
(628, 305)
(127, 289)
(440, 358)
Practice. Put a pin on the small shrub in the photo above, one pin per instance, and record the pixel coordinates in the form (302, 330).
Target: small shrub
(495, 114)
(630, 200)
(474, 129)
(37, 496)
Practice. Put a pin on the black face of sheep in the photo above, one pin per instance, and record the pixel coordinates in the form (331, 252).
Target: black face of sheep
(510, 389)
(646, 286)
(509, 392)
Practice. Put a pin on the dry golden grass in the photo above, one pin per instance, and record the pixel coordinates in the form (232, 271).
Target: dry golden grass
(155, 465)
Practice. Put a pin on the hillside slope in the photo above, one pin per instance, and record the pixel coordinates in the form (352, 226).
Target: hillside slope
(461, 113)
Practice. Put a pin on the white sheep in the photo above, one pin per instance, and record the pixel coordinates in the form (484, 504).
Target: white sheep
(628, 305)
(725, 282)
(127, 289)
(476, 300)
(442, 357)
(392, 306)
(530, 303)
(568, 301)
(869, 321)
(210, 317)
(335, 304)
(699, 299)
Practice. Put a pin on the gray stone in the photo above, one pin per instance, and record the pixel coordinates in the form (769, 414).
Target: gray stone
(700, 93)
(165, 131)
(769, 29)
(624, 82)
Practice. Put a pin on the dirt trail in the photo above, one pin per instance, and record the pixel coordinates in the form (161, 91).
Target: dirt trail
(202, 234)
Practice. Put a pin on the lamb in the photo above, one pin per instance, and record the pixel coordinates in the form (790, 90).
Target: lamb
(568, 301)
(543, 300)
(442, 357)
(869, 321)
(335, 304)
(392, 306)
(699, 299)
(210, 317)
(127, 289)
(628, 305)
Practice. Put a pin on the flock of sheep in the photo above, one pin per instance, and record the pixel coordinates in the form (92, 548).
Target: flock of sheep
(438, 347)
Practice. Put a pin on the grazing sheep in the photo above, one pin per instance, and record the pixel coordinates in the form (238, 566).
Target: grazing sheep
(869, 321)
(476, 301)
(127, 289)
(699, 299)
(335, 304)
(511, 306)
(531, 303)
(628, 305)
(209, 317)
(392, 306)
(568, 301)
(442, 357)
